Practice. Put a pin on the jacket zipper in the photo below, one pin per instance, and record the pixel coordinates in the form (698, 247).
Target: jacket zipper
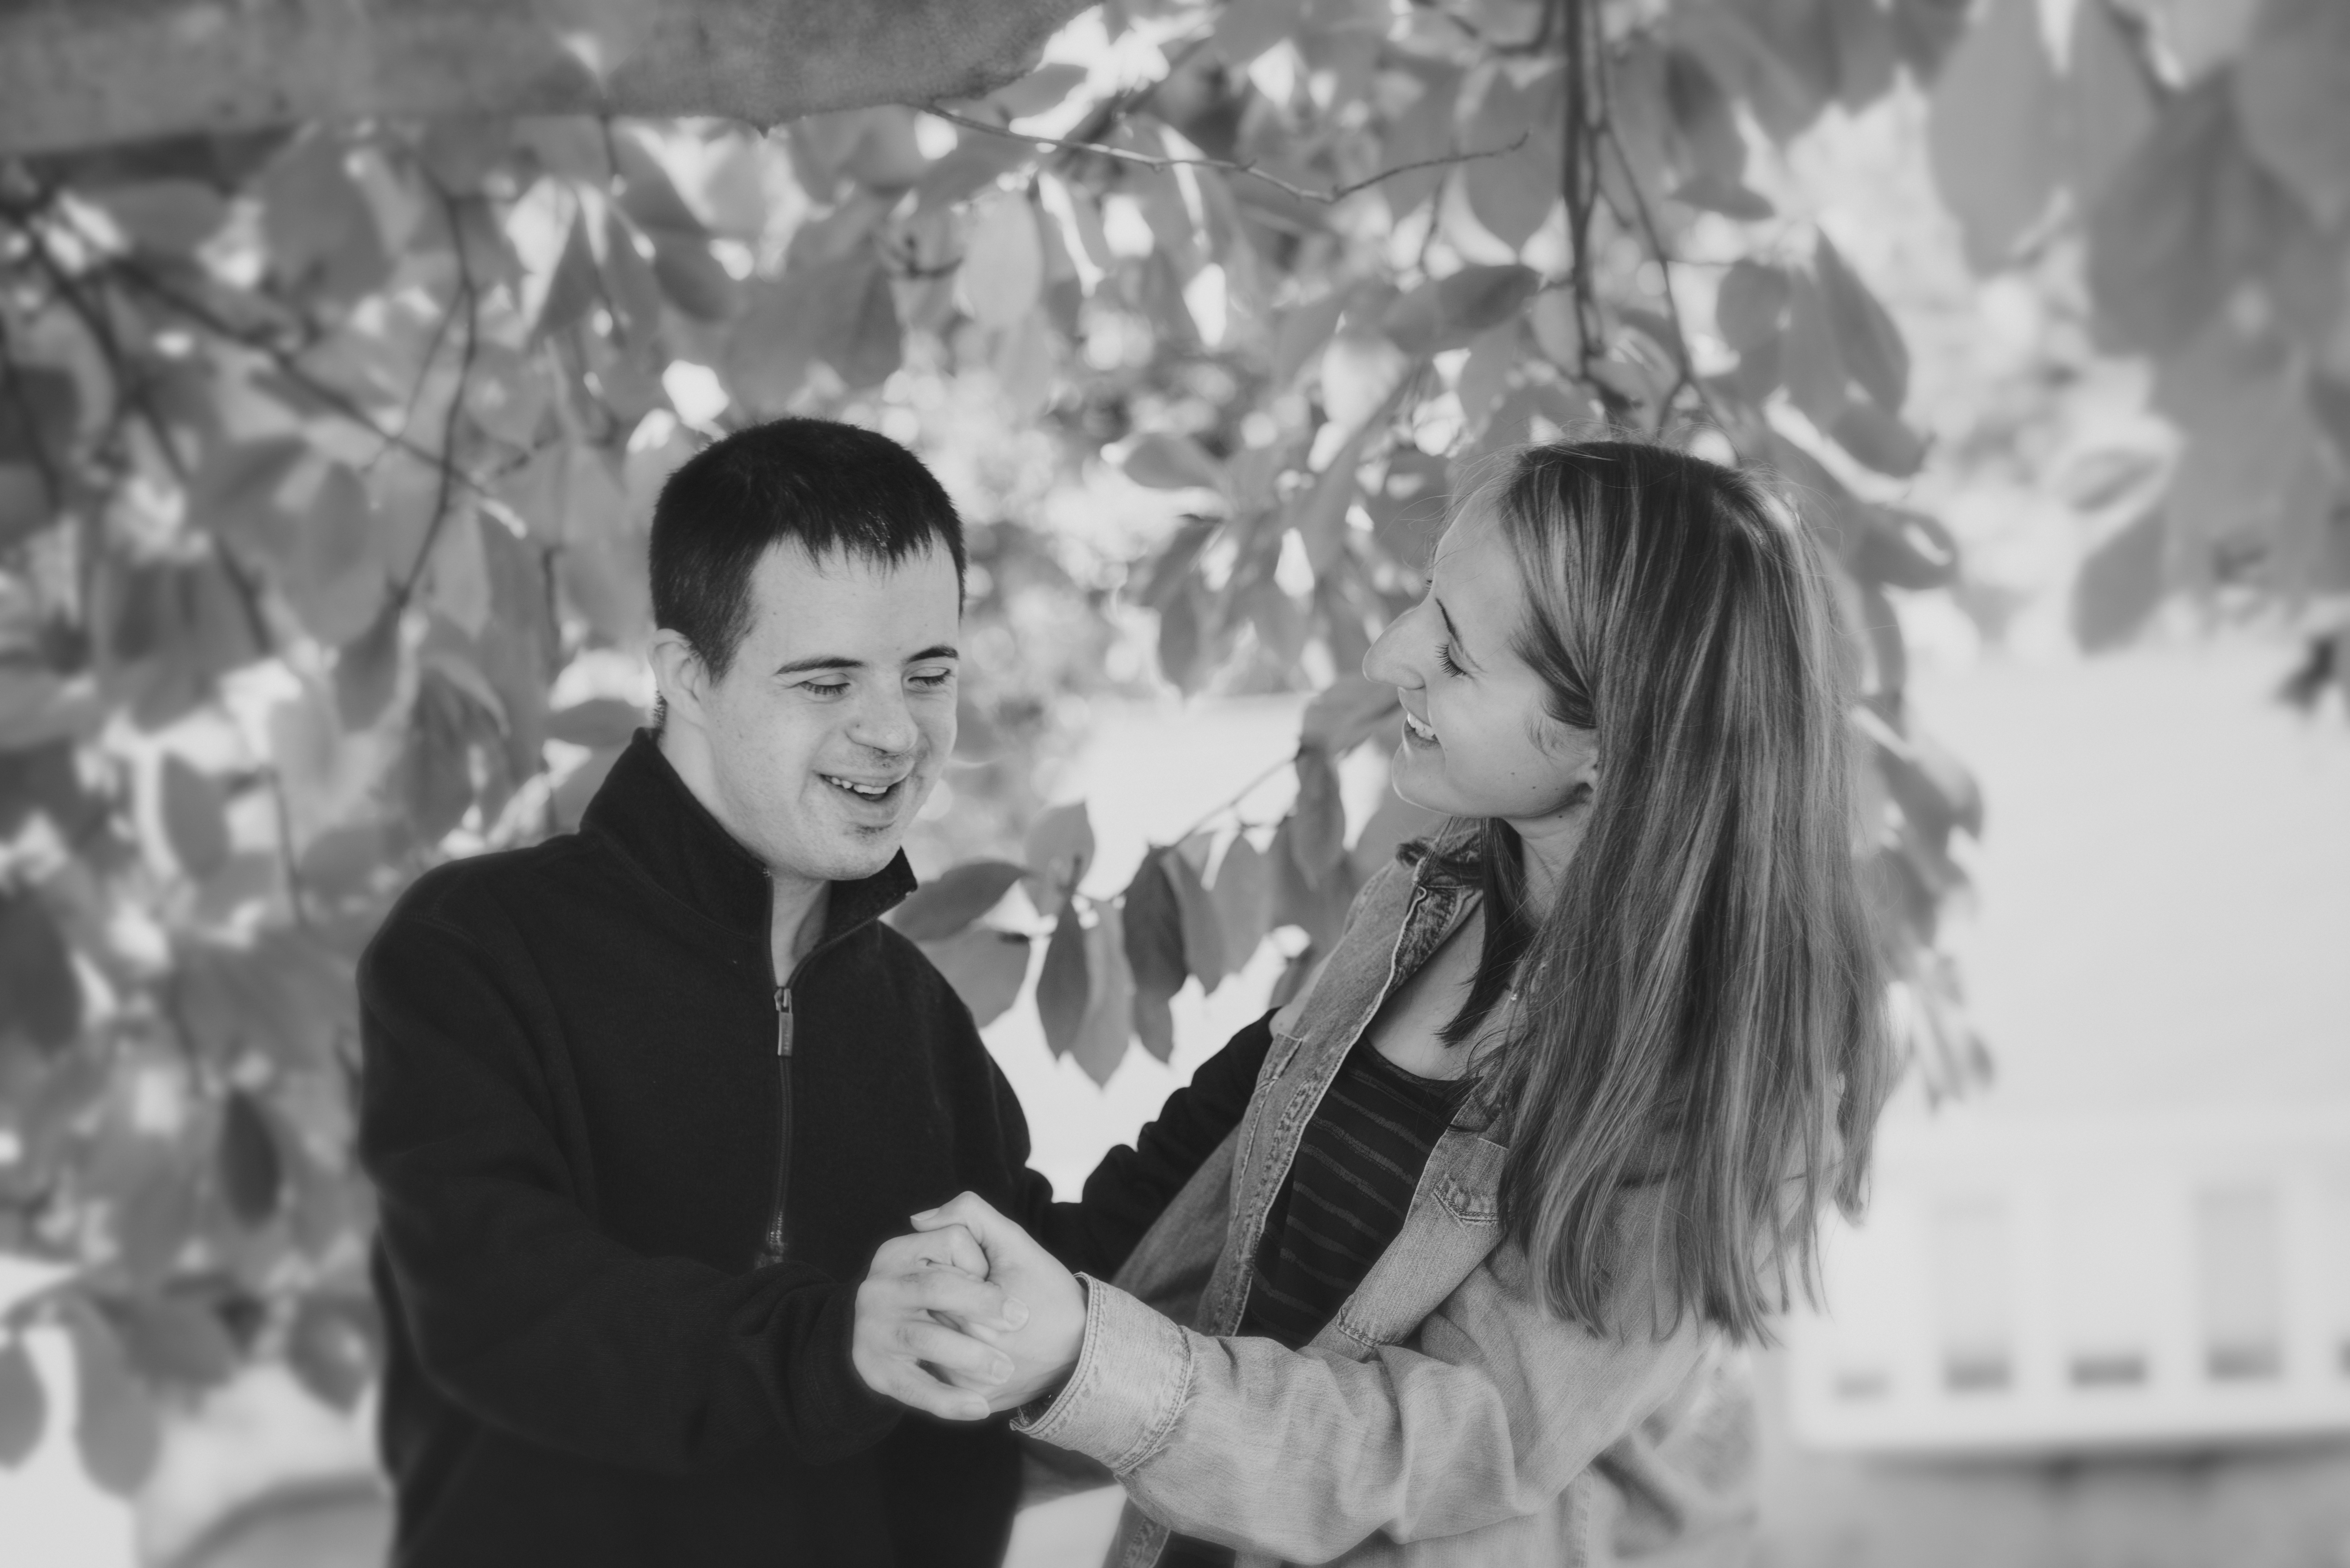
(771, 1250)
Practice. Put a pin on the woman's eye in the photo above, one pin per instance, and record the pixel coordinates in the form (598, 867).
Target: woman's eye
(1444, 660)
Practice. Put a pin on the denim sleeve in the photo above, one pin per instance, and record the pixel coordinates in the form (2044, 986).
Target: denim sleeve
(1485, 1412)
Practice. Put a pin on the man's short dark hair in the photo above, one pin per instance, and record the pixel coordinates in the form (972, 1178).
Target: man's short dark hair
(831, 486)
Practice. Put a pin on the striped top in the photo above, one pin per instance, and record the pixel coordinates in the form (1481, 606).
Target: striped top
(1358, 1166)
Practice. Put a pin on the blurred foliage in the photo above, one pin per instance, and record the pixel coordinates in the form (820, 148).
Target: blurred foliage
(325, 457)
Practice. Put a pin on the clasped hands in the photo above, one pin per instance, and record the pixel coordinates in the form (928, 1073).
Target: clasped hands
(967, 1315)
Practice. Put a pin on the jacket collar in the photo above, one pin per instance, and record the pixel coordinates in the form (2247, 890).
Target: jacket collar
(647, 812)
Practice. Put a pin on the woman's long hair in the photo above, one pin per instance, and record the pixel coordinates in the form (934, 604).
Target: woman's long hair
(1702, 1003)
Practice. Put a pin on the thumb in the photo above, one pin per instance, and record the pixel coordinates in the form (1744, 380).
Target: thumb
(996, 1236)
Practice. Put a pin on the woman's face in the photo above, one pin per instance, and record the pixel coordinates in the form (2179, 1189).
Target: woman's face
(1478, 737)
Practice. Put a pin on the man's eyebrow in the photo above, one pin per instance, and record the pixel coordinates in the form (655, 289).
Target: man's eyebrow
(842, 662)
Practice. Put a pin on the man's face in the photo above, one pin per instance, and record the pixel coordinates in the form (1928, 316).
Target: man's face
(828, 729)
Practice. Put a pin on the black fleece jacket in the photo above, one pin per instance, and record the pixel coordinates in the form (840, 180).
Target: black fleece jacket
(582, 1133)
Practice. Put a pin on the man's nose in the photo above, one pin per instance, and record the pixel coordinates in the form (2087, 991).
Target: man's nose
(885, 724)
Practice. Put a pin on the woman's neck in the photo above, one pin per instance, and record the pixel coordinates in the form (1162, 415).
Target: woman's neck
(1545, 847)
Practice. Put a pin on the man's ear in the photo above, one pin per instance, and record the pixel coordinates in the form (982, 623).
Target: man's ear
(679, 673)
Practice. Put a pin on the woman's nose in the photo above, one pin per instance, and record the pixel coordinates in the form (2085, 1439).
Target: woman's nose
(1386, 662)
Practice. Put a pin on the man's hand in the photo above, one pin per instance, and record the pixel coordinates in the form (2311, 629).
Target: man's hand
(904, 1353)
(1044, 1351)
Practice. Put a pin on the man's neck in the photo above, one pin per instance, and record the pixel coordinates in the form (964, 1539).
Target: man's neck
(796, 924)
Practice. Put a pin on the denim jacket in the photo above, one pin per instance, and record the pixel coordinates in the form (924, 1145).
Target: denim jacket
(1444, 1415)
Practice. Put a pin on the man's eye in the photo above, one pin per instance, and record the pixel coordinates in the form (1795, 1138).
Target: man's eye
(932, 679)
(824, 688)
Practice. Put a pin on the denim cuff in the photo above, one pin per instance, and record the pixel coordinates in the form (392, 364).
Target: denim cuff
(1133, 1372)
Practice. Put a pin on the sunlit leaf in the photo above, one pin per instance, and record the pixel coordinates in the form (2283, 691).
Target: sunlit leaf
(1346, 712)
(1447, 312)
(986, 967)
(1165, 462)
(334, 1346)
(2111, 101)
(1247, 28)
(1996, 116)
(1878, 439)
(1039, 90)
(172, 216)
(954, 899)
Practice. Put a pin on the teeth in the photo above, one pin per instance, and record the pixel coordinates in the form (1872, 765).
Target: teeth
(867, 792)
(1422, 731)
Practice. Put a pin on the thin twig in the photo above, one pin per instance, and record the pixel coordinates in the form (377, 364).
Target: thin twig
(1232, 803)
(1685, 369)
(471, 298)
(1163, 164)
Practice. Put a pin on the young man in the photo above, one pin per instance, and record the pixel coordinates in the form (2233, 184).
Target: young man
(642, 1103)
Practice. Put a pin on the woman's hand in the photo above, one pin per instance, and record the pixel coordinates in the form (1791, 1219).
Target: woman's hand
(1045, 1350)
(901, 1346)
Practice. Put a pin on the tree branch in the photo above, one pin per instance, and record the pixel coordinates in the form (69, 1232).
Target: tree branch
(470, 296)
(1161, 163)
(1684, 368)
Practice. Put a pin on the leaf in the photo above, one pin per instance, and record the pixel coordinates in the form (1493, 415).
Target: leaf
(692, 279)
(1243, 895)
(1100, 1042)
(1318, 910)
(2119, 585)
(1058, 851)
(986, 967)
(1879, 439)
(1750, 305)
(1153, 941)
(168, 1340)
(1996, 115)
(115, 1425)
(1163, 576)
(1039, 90)
(195, 823)
(1360, 371)
(1867, 341)
(1203, 930)
(866, 344)
(1485, 374)
(2184, 219)
(1318, 840)
(334, 582)
(1710, 192)
(596, 722)
(1247, 28)
(1063, 986)
(574, 288)
(1164, 462)
(24, 1407)
(1003, 260)
(1303, 332)
(1810, 363)
(2292, 82)
(1512, 192)
(630, 286)
(1178, 643)
(1408, 505)
(252, 1170)
(334, 1344)
(1447, 312)
(170, 216)
(1555, 329)
(460, 572)
(39, 993)
(954, 899)
(2111, 101)
(1866, 53)
(1899, 548)
(367, 669)
(1704, 119)
(1345, 713)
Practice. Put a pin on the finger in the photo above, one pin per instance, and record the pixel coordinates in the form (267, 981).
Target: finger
(996, 1236)
(910, 1385)
(951, 1247)
(957, 1357)
(957, 1295)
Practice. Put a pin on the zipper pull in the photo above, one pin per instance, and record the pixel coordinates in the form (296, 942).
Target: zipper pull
(783, 1021)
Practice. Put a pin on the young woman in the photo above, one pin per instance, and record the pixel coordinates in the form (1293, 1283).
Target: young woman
(1551, 1131)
